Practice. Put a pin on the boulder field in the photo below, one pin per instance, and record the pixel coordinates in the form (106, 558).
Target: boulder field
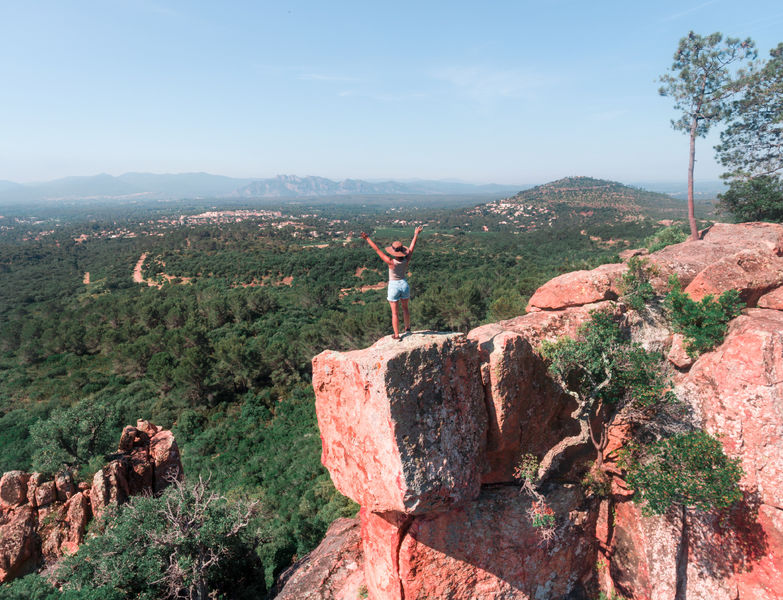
(425, 434)
(42, 518)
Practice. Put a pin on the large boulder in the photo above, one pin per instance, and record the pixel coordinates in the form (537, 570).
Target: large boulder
(687, 259)
(773, 299)
(13, 488)
(403, 423)
(578, 288)
(752, 272)
(737, 392)
(333, 570)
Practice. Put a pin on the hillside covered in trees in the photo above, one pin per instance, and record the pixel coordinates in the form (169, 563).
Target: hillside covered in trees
(213, 334)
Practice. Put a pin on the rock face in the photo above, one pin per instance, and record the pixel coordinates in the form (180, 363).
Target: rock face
(43, 518)
(410, 429)
(333, 570)
(403, 422)
(528, 412)
(489, 549)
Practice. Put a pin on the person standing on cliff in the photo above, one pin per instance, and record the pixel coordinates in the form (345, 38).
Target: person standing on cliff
(398, 257)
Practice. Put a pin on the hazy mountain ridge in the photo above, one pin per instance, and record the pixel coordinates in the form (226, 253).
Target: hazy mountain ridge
(154, 186)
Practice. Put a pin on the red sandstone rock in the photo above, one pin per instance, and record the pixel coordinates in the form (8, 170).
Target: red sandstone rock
(164, 452)
(737, 390)
(677, 354)
(578, 288)
(752, 272)
(528, 412)
(141, 472)
(550, 325)
(382, 535)
(645, 559)
(18, 553)
(45, 494)
(403, 424)
(63, 530)
(333, 570)
(773, 299)
(109, 485)
(32, 484)
(489, 549)
(13, 488)
(131, 438)
(147, 427)
(688, 259)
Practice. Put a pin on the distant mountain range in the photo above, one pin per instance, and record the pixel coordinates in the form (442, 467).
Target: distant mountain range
(152, 186)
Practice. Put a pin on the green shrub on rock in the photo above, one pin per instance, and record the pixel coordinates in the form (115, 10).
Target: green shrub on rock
(703, 323)
(688, 470)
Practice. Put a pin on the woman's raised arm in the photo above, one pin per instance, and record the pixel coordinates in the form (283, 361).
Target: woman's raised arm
(380, 252)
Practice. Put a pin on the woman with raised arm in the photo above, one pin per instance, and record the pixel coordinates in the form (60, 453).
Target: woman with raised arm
(398, 257)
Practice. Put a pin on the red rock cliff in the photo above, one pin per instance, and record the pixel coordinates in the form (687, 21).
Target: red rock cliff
(425, 433)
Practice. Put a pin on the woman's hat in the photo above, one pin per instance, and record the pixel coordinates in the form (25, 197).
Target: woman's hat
(397, 250)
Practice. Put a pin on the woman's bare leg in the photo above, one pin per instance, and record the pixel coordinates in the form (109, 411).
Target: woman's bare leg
(395, 319)
(406, 315)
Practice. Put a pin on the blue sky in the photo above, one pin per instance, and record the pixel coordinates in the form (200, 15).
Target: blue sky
(508, 92)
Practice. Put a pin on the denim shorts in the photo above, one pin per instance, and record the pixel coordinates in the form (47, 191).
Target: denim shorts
(398, 290)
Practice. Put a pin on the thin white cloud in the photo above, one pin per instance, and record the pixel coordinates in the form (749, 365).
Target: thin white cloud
(693, 9)
(487, 84)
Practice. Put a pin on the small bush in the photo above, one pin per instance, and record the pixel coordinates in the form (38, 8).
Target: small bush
(665, 237)
(541, 515)
(635, 286)
(688, 469)
(597, 483)
(527, 469)
(703, 323)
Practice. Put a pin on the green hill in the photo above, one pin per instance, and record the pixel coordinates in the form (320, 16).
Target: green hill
(595, 193)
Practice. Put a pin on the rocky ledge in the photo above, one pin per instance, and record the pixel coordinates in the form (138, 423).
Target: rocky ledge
(42, 518)
(425, 434)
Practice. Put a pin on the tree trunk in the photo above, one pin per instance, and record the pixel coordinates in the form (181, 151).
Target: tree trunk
(552, 458)
(691, 161)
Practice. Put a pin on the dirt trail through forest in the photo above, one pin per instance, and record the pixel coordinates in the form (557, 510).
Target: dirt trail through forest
(137, 269)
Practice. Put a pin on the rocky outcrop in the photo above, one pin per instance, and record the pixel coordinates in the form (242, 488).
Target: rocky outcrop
(42, 518)
(379, 409)
(429, 531)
